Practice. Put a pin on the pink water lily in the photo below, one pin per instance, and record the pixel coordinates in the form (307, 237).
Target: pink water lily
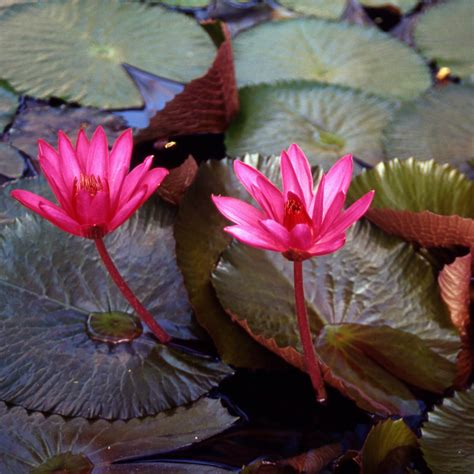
(299, 222)
(96, 192)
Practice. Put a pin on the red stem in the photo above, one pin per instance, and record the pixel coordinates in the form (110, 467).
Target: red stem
(144, 315)
(311, 359)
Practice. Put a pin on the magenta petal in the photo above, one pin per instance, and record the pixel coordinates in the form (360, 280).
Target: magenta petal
(70, 166)
(237, 211)
(128, 209)
(325, 248)
(333, 212)
(132, 181)
(302, 171)
(82, 146)
(278, 233)
(59, 218)
(92, 209)
(291, 181)
(301, 237)
(317, 205)
(29, 200)
(98, 156)
(119, 161)
(338, 179)
(254, 237)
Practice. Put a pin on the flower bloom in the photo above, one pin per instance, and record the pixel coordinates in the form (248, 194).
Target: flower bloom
(95, 191)
(298, 221)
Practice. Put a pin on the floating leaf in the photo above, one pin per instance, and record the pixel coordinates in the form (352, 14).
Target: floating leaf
(447, 439)
(331, 9)
(12, 164)
(8, 106)
(326, 121)
(32, 442)
(337, 53)
(38, 120)
(374, 305)
(185, 3)
(388, 446)
(206, 105)
(437, 126)
(74, 50)
(58, 305)
(420, 201)
(403, 5)
(199, 243)
(444, 33)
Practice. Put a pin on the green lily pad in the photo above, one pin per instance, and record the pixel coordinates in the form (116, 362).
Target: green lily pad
(74, 50)
(199, 243)
(32, 442)
(185, 3)
(336, 53)
(374, 307)
(444, 33)
(326, 121)
(388, 447)
(403, 5)
(447, 438)
(437, 126)
(51, 283)
(331, 9)
(416, 186)
(12, 163)
(8, 106)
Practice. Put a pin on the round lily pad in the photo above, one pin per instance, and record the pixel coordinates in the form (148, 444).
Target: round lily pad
(447, 438)
(444, 33)
(336, 53)
(74, 50)
(53, 444)
(326, 121)
(374, 308)
(403, 5)
(8, 106)
(50, 285)
(12, 163)
(331, 9)
(199, 243)
(437, 126)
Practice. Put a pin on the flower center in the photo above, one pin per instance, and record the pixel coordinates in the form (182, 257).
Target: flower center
(89, 183)
(295, 212)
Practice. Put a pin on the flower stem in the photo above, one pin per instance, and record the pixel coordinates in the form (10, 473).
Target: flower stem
(144, 315)
(311, 359)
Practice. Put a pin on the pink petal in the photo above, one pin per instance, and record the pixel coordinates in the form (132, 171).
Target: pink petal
(70, 166)
(317, 205)
(338, 179)
(254, 237)
(82, 146)
(349, 216)
(301, 237)
(325, 248)
(132, 181)
(333, 212)
(237, 211)
(278, 233)
(92, 209)
(98, 155)
(119, 161)
(125, 211)
(296, 159)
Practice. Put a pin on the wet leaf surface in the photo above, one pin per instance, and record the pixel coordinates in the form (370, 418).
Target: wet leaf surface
(331, 9)
(336, 53)
(31, 442)
(8, 106)
(403, 5)
(12, 163)
(326, 121)
(49, 289)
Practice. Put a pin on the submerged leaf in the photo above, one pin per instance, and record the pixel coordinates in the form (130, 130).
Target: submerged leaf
(8, 106)
(74, 50)
(326, 121)
(12, 164)
(335, 53)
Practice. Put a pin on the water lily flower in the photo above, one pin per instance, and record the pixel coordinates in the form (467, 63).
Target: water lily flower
(96, 193)
(299, 221)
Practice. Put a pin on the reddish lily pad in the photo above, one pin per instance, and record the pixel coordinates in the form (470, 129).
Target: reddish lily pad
(423, 202)
(374, 308)
(447, 438)
(50, 285)
(199, 243)
(32, 442)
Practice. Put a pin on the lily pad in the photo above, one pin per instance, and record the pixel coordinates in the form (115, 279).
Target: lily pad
(52, 284)
(8, 106)
(388, 447)
(437, 126)
(374, 308)
(199, 243)
(12, 163)
(425, 202)
(38, 120)
(331, 9)
(403, 5)
(326, 121)
(72, 51)
(444, 33)
(336, 53)
(32, 442)
(447, 438)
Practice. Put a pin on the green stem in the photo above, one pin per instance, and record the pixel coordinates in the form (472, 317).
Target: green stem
(311, 359)
(142, 312)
